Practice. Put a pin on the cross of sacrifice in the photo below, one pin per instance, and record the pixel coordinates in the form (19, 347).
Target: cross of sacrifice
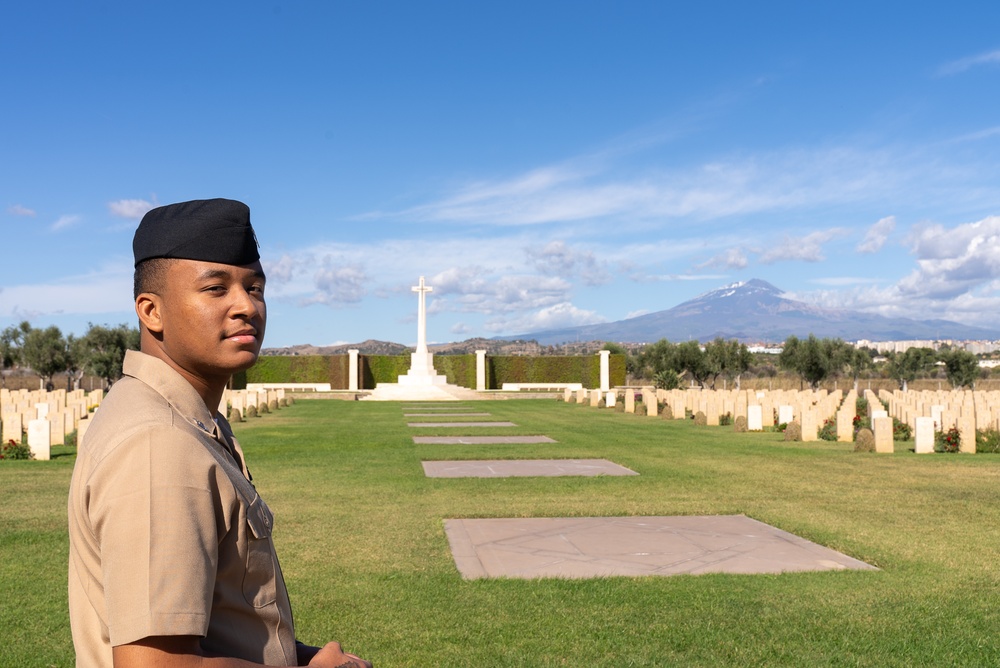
(421, 291)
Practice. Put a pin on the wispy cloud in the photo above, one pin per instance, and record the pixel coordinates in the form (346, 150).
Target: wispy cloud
(808, 248)
(734, 258)
(132, 209)
(19, 210)
(877, 235)
(964, 64)
(65, 221)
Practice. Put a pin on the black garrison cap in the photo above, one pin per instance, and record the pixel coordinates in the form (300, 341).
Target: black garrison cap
(210, 230)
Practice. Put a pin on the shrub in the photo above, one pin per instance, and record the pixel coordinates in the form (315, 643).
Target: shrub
(666, 412)
(947, 441)
(619, 407)
(272, 406)
(740, 424)
(781, 426)
(290, 400)
(251, 412)
(667, 380)
(726, 420)
(988, 440)
(262, 408)
(235, 415)
(793, 431)
(901, 431)
(700, 419)
(70, 438)
(601, 403)
(828, 432)
(864, 441)
(861, 406)
(14, 450)
(861, 423)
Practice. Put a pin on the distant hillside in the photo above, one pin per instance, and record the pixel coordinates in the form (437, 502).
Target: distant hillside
(756, 311)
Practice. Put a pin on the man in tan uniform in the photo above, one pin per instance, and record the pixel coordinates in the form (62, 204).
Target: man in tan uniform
(171, 558)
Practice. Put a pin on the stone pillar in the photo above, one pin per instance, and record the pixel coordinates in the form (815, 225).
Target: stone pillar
(352, 370)
(605, 370)
(481, 370)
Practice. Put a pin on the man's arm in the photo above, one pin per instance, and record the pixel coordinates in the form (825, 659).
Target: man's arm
(185, 652)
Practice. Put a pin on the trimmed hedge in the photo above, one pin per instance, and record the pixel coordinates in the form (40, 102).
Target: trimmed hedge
(458, 369)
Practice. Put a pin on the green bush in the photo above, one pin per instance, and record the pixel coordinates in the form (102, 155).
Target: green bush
(988, 440)
(901, 431)
(726, 420)
(828, 432)
(14, 450)
(947, 441)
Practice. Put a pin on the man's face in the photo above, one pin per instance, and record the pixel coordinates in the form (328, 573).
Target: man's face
(213, 316)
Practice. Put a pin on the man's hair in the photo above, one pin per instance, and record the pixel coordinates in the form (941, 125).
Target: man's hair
(149, 276)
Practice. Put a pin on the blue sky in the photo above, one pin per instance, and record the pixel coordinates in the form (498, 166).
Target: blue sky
(543, 164)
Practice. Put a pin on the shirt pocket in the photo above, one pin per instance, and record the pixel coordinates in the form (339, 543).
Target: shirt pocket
(260, 586)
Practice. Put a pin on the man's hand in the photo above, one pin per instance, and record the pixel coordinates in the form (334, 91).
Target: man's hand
(332, 656)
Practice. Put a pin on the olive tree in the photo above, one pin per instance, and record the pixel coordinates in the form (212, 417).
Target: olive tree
(961, 368)
(44, 352)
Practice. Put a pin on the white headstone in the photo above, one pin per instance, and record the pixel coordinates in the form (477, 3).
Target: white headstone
(755, 418)
(924, 436)
(39, 434)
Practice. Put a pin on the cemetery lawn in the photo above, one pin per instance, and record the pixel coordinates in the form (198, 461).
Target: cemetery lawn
(360, 535)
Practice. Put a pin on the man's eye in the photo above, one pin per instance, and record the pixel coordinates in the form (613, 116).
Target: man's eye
(215, 288)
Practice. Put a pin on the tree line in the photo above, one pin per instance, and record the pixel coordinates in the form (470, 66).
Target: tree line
(812, 359)
(99, 352)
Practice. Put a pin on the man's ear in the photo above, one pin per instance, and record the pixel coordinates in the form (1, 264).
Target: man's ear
(147, 307)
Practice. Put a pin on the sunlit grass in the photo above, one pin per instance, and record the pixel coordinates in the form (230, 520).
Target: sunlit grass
(359, 531)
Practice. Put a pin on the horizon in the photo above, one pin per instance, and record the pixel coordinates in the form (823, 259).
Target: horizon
(543, 165)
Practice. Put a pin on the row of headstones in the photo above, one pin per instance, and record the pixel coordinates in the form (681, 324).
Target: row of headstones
(966, 411)
(240, 402)
(760, 409)
(810, 408)
(46, 417)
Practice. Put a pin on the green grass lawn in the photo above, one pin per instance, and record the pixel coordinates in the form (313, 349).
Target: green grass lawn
(360, 535)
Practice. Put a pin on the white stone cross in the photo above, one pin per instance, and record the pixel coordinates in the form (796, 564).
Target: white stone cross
(422, 291)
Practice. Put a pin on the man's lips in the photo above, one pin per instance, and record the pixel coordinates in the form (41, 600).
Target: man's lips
(243, 336)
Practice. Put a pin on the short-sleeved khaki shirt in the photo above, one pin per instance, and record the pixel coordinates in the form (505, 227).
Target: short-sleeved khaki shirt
(167, 535)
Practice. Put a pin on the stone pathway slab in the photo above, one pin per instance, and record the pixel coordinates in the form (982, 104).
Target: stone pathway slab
(587, 547)
(479, 440)
(460, 424)
(523, 468)
(446, 414)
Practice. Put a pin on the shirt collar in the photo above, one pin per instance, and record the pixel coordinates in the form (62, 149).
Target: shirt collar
(172, 386)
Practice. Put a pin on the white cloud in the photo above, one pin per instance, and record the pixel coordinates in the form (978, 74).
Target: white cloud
(808, 248)
(19, 210)
(65, 221)
(957, 278)
(734, 258)
(556, 258)
(133, 209)
(339, 284)
(556, 316)
(877, 235)
(963, 64)
(108, 290)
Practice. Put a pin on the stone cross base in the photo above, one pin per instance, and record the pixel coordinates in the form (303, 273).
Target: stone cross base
(422, 371)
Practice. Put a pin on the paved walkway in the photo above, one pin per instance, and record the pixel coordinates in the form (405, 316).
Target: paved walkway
(632, 546)
(523, 468)
(479, 440)
(606, 546)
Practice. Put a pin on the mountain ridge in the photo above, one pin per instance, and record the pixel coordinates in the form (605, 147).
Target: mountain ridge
(756, 311)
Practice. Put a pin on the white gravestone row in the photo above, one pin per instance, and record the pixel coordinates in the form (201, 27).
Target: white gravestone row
(63, 412)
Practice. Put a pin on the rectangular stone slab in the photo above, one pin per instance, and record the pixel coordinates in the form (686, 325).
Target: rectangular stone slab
(479, 440)
(523, 468)
(460, 424)
(446, 414)
(587, 547)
